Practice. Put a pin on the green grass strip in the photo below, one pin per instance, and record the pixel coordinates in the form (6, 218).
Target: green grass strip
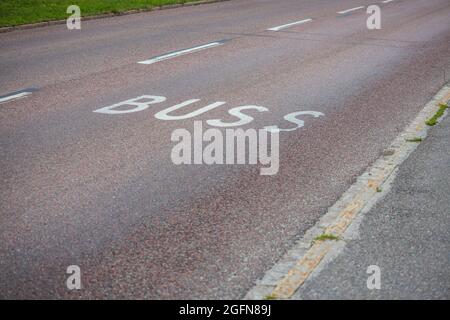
(17, 12)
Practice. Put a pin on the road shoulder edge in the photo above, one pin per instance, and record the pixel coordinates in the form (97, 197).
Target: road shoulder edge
(328, 236)
(107, 15)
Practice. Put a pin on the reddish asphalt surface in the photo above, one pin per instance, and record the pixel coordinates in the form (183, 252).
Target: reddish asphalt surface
(101, 192)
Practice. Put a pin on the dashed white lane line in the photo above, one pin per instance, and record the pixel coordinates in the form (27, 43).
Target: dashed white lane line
(284, 26)
(16, 95)
(181, 52)
(386, 1)
(350, 10)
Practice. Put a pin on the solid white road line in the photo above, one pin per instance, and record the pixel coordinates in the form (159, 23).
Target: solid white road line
(181, 52)
(289, 25)
(14, 96)
(350, 10)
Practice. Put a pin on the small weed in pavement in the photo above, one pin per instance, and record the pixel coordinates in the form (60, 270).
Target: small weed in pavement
(326, 236)
(417, 139)
(433, 120)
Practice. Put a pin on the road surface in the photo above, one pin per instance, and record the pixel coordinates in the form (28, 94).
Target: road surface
(100, 191)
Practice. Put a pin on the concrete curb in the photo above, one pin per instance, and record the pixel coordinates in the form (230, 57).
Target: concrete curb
(308, 256)
(107, 15)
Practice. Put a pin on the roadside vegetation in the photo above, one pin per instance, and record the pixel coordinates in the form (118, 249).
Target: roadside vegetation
(326, 236)
(17, 12)
(434, 119)
(415, 139)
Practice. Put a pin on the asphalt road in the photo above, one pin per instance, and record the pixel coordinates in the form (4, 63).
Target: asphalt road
(101, 192)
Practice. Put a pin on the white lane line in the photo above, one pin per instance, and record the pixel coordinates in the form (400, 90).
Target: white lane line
(284, 26)
(350, 10)
(15, 95)
(386, 1)
(181, 52)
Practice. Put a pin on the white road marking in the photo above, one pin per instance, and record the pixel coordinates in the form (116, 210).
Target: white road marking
(387, 1)
(138, 104)
(350, 10)
(14, 96)
(289, 25)
(142, 103)
(181, 52)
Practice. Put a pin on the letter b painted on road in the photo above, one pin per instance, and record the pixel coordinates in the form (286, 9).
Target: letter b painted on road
(138, 104)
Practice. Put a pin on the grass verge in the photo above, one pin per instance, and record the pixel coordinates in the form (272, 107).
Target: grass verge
(17, 12)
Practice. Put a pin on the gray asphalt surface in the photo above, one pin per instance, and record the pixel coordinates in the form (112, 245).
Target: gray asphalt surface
(406, 234)
(101, 192)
